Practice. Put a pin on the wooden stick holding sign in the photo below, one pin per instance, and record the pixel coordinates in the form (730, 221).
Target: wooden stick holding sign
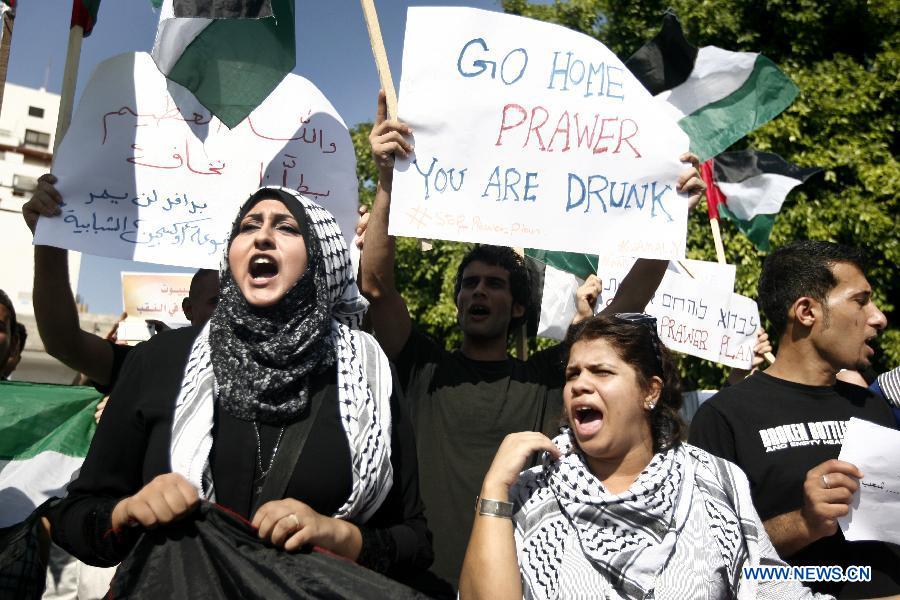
(521, 337)
(384, 72)
(381, 61)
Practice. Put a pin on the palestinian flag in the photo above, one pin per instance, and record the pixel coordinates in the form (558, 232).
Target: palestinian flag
(45, 433)
(555, 277)
(231, 55)
(717, 96)
(84, 13)
(749, 187)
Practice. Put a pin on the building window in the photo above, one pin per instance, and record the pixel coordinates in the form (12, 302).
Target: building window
(36, 138)
(34, 111)
(43, 163)
(23, 184)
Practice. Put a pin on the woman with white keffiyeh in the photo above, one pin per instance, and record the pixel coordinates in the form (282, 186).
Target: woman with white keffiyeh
(278, 409)
(620, 508)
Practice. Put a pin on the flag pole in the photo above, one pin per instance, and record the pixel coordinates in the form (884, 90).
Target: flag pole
(70, 77)
(717, 240)
(713, 199)
(6, 30)
(381, 61)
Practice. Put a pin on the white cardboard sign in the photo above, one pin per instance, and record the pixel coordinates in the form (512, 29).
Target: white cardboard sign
(148, 174)
(528, 134)
(695, 309)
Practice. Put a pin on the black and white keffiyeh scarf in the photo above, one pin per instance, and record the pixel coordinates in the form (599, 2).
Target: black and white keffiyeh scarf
(256, 363)
(262, 357)
(627, 537)
(890, 386)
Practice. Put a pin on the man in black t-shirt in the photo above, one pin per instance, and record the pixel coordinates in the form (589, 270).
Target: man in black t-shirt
(463, 403)
(784, 427)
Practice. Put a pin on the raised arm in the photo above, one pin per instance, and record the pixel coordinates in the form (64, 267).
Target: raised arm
(54, 306)
(638, 287)
(389, 315)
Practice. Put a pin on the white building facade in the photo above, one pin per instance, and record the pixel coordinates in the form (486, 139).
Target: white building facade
(27, 132)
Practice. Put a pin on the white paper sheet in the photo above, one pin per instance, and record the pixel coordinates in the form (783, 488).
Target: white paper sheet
(875, 510)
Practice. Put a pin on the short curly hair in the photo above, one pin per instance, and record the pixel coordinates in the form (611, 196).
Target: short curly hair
(636, 346)
(519, 279)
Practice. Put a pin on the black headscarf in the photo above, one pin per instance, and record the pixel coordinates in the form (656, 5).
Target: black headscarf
(263, 357)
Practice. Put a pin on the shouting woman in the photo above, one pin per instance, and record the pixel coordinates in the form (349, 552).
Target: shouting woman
(621, 507)
(278, 409)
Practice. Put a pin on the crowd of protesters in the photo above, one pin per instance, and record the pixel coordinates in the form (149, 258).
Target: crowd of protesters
(470, 472)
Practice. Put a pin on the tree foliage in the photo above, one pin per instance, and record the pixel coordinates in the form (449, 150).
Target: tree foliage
(844, 56)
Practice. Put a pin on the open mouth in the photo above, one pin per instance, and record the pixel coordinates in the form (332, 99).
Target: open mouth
(262, 269)
(586, 420)
(479, 311)
(868, 344)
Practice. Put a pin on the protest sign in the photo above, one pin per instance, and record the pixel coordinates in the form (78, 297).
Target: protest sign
(735, 332)
(156, 296)
(695, 309)
(528, 134)
(147, 173)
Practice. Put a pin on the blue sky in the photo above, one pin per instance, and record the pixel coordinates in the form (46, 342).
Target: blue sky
(332, 51)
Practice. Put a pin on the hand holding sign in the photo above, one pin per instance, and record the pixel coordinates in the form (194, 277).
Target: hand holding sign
(387, 141)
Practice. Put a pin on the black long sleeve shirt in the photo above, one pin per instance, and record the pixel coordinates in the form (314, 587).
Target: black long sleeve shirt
(131, 447)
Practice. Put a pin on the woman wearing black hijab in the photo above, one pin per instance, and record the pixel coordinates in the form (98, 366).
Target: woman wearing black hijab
(279, 409)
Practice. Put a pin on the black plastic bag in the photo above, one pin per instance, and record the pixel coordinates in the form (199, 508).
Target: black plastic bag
(215, 554)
